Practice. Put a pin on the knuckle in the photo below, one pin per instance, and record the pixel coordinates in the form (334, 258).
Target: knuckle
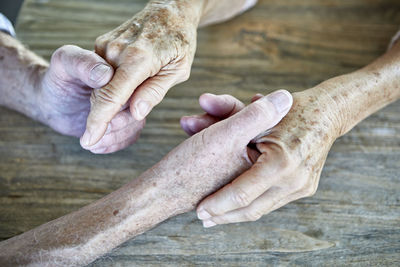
(101, 40)
(114, 48)
(105, 95)
(240, 197)
(155, 92)
(60, 53)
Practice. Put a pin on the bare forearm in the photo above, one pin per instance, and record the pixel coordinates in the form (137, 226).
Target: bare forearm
(78, 238)
(19, 72)
(82, 236)
(216, 11)
(206, 12)
(357, 95)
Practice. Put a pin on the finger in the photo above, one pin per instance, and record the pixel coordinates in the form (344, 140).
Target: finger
(244, 189)
(245, 125)
(107, 101)
(271, 200)
(117, 137)
(123, 127)
(221, 106)
(151, 92)
(217, 107)
(194, 124)
(116, 147)
(252, 120)
(71, 63)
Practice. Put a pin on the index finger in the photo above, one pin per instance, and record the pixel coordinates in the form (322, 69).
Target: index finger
(107, 101)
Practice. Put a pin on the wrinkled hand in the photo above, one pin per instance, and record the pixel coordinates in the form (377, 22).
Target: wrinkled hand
(151, 52)
(288, 167)
(214, 156)
(64, 98)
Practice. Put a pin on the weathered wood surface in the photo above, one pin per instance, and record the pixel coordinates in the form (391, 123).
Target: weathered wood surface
(354, 219)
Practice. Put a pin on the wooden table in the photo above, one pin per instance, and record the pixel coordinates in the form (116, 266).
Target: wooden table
(353, 219)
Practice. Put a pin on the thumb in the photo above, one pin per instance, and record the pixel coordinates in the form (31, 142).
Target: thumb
(73, 64)
(254, 119)
(108, 101)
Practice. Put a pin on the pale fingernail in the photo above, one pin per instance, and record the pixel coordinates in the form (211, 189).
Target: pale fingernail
(282, 100)
(203, 215)
(85, 139)
(142, 110)
(97, 73)
(208, 224)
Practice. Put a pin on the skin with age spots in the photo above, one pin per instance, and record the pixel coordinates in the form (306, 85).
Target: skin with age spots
(294, 152)
(288, 168)
(157, 45)
(151, 52)
(191, 171)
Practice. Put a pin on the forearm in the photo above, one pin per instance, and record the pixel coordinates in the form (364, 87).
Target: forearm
(215, 11)
(355, 96)
(165, 190)
(19, 73)
(206, 12)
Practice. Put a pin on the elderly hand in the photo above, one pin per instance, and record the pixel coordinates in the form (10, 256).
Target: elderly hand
(176, 184)
(151, 52)
(64, 98)
(290, 160)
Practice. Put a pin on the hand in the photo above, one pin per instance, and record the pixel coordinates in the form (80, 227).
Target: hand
(289, 165)
(64, 98)
(217, 154)
(151, 52)
(176, 184)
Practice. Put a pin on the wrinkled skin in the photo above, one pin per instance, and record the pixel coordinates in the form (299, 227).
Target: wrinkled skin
(64, 98)
(289, 164)
(151, 52)
(194, 169)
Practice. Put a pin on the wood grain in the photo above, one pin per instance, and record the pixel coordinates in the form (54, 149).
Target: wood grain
(354, 219)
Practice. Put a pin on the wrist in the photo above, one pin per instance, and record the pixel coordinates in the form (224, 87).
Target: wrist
(323, 109)
(355, 96)
(186, 12)
(38, 99)
(214, 11)
(19, 86)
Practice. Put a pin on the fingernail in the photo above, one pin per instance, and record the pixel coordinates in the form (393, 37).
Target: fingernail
(208, 224)
(97, 73)
(142, 109)
(203, 215)
(85, 140)
(282, 100)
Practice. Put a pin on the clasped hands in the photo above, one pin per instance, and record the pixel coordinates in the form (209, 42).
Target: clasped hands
(132, 70)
